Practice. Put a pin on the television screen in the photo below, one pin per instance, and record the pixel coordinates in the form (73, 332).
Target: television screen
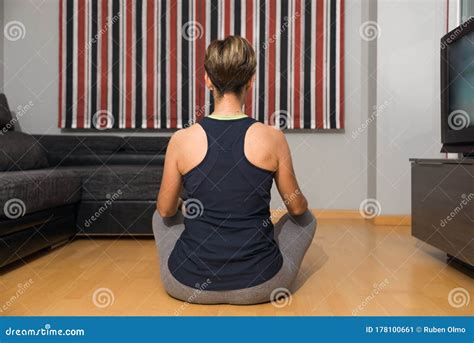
(461, 82)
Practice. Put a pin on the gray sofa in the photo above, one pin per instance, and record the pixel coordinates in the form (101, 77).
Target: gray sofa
(54, 187)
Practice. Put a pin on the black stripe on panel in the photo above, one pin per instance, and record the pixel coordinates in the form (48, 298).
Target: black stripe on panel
(261, 68)
(69, 60)
(138, 63)
(237, 17)
(307, 66)
(185, 67)
(332, 65)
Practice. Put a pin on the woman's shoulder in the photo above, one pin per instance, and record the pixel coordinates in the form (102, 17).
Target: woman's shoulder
(265, 133)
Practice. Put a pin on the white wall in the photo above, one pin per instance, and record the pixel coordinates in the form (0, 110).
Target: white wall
(331, 166)
(409, 81)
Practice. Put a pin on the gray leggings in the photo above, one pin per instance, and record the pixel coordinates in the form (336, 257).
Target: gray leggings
(292, 234)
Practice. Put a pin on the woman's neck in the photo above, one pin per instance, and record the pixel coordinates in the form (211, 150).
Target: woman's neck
(228, 105)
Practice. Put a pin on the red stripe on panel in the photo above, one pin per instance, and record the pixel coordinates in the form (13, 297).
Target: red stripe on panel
(200, 45)
(249, 36)
(271, 61)
(227, 18)
(104, 58)
(341, 67)
(150, 65)
(319, 64)
(81, 55)
(173, 64)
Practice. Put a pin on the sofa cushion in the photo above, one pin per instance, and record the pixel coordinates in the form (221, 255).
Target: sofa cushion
(6, 122)
(121, 182)
(143, 145)
(24, 192)
(19, 151)
(68, 144)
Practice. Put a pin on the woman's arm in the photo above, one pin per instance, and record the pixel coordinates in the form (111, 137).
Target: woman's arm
(171, 183)
(285, 178)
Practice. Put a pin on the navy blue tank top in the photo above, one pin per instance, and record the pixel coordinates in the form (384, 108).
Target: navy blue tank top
(228, 236)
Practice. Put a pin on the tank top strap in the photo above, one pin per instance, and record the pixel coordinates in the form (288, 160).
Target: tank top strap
(256, 176)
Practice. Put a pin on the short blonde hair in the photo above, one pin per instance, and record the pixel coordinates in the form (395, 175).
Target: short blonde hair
(230, 64)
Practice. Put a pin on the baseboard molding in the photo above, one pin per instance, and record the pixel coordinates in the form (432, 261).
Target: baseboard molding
(384, 220)
(337, 214)
(394, 220)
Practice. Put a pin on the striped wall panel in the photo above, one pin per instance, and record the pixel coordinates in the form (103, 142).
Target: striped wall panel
(127, 64)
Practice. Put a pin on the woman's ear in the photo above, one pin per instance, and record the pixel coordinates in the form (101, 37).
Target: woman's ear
(208, 82)
(250, 83)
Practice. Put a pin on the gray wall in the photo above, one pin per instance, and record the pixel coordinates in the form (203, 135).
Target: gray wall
(331, 167)
(409, 81)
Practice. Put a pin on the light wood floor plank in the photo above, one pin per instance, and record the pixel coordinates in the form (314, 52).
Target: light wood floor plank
(352, 268)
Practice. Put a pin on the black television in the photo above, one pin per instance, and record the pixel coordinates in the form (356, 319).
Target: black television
(457, 90)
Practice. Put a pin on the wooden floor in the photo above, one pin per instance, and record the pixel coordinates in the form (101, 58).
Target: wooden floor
(352, 268)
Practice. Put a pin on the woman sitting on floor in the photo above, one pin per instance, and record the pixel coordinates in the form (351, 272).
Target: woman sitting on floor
(223, 247)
